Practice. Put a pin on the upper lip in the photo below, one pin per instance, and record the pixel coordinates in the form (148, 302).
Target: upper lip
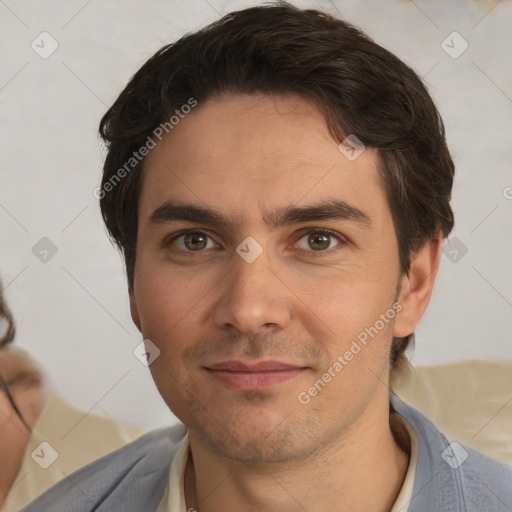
(260, 366)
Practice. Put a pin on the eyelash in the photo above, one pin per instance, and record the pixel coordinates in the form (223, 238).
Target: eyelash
(320, 231)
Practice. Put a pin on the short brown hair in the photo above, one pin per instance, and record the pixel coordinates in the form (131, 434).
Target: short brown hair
(362, 89)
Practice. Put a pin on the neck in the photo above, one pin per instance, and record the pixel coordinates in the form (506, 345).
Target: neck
(362, 471)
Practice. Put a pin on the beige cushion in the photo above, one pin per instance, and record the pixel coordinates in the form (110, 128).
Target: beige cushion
(470, 402)
(77, 438)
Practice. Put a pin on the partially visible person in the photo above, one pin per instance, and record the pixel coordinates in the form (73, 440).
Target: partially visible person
(21, 402)
(31, 414)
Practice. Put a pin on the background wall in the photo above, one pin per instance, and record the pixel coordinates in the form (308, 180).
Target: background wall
(65, 281)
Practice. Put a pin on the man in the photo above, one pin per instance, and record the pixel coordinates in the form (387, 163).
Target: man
(279, 187)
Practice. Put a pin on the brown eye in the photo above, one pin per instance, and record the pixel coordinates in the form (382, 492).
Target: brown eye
(318, 241)
(193, 241)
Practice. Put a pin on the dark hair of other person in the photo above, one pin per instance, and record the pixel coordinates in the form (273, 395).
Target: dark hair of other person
(7, 333)
(361, 88)
(8, 330)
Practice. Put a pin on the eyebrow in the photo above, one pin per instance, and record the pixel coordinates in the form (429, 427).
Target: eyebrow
(333, 209)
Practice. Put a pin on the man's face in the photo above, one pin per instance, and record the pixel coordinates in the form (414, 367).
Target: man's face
(243, 336)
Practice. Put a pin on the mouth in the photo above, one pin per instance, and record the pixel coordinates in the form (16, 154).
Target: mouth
(253, 376)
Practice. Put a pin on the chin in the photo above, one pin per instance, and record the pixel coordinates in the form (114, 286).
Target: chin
(254, 447)
(259, 437)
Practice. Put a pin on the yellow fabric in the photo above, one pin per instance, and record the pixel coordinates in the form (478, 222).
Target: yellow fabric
(76, 436)
(470, 402)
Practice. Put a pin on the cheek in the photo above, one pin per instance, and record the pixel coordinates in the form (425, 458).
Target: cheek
(165, 300)
(352, 313)
(346, 301)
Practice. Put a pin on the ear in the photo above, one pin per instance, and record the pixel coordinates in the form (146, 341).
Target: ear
(134, 311)
(417, 286)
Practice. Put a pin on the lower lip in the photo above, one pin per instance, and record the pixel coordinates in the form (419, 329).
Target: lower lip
(255, 380)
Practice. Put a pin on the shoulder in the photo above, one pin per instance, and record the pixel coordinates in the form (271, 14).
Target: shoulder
(451, 476)
(484, 481)
(130, 478)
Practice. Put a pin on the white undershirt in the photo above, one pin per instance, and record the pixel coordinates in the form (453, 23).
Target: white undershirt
(173, 499)
(404, 498)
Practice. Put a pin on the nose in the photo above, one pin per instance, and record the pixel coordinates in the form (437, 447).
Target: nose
(253, 299)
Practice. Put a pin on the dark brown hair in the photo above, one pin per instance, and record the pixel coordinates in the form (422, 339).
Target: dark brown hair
(7, 333)
(361, 88)
(7, 329)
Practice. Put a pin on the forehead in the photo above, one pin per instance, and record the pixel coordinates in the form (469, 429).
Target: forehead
(245, 154)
